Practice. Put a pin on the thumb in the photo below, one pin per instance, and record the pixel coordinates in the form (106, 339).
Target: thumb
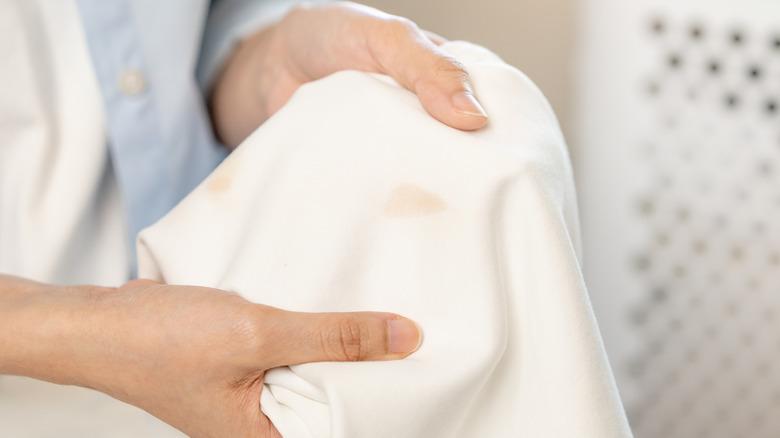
(359, 336)
(443, 87)
(440, 81)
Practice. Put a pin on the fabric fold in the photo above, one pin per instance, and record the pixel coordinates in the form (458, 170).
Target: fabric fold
(353, 198)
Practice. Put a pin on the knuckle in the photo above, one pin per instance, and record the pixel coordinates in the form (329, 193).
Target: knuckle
(400, 26)
(450, 67)
(444, 71)
(349, 340)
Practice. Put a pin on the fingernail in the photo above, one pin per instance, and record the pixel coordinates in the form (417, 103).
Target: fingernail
(403, 336)
(465, 103)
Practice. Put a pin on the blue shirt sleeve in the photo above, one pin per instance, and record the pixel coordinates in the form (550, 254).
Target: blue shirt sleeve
(228, 22)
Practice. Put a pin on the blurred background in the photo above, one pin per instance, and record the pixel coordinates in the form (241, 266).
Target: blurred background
(671, 113)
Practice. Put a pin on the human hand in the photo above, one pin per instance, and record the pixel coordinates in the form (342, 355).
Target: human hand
(194, 357)
(312, 42)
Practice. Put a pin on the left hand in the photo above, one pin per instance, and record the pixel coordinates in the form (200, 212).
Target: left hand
(314, 41)
(195, 357)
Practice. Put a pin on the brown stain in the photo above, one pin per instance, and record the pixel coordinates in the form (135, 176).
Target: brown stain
(218, 183)
(409, 200)
(221, 179)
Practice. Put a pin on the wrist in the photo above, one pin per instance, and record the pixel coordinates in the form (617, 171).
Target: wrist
(46, 331)
(244, 92)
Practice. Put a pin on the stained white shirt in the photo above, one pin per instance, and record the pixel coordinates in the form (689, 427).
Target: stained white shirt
(374, 205)
(377, 206)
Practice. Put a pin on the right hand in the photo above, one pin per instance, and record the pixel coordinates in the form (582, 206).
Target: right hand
(313, 41)
(195, 357)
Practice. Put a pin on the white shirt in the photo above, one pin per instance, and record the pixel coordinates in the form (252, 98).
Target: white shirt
(375, 205)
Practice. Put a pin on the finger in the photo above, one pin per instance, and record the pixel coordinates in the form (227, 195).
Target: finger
(440, 81)
(435, 37)
(359, 336)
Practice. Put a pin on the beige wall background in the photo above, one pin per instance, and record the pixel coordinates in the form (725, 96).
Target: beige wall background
(537, 36)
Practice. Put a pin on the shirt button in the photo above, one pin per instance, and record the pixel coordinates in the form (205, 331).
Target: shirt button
(132, 83)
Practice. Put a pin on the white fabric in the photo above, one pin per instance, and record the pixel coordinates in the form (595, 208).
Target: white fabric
(60, 213)
(353, 198)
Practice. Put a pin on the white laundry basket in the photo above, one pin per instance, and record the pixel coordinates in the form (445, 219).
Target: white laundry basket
(678, 165)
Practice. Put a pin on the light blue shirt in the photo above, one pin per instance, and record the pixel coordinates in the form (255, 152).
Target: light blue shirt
(155, 61)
